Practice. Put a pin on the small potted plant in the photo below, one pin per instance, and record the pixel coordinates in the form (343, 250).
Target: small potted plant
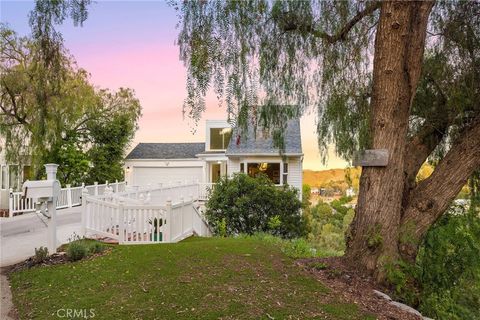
(156, 223)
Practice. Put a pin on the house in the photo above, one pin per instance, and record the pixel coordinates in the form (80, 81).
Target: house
(350, 192)
(223, 153)
(11, 176)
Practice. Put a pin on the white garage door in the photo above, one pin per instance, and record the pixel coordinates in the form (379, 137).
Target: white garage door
(142, 176)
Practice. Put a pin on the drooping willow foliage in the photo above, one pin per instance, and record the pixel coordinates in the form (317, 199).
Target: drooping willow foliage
(317, 56)
(303, 54)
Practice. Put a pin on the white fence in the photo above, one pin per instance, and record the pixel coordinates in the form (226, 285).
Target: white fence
(69, 197)
(149, 215)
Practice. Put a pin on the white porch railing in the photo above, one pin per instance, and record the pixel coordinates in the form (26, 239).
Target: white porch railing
(145, 215)
(204, 190)
(69, 197)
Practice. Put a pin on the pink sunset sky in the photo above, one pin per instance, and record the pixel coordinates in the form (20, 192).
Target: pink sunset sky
(132, 44)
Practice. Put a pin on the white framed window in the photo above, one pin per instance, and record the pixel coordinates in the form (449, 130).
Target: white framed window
(3, 177)
(220, 138)
(270, 169)
(285, 173)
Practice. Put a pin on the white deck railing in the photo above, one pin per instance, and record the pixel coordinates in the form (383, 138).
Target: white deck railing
(204, 190)
(145, 215)
(68, 197)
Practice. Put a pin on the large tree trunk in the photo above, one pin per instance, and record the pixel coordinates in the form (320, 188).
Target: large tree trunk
(399, 47)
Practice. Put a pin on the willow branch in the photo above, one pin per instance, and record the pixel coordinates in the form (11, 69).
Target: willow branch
(296, 24)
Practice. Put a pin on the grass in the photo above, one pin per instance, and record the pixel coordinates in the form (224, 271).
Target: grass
(195, 279)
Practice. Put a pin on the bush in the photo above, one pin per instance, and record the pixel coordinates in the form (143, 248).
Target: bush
(448, 267)
(95, 247)
(328, 224)
(77, 250)
(248, 205)
(81, 248)
(41, 254)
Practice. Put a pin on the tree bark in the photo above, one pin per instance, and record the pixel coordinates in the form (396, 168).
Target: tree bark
(399, 47)
(429, 200)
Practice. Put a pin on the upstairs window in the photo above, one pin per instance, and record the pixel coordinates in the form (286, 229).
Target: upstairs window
(4, 177)
(272, 170)
(219, 138)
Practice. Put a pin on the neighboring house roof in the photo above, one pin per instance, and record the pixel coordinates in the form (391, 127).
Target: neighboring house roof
(261, 145)
(166, 150)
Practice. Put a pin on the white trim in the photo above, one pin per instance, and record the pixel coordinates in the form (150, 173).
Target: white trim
(219, 157)
(239, 155)
(162, 167)
(163, 159)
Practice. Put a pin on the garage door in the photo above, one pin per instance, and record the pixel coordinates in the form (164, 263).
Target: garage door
(142, 176)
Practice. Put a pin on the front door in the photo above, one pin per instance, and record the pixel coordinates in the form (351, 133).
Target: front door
(216, 172)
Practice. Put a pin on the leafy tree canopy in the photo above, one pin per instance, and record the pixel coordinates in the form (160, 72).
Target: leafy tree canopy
(63, 118)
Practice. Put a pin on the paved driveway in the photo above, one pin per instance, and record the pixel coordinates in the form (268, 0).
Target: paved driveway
(19, 236)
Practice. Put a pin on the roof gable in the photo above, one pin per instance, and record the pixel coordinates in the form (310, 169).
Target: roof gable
(261, 144)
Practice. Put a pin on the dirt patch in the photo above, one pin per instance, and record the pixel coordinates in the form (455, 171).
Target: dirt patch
(354, 286)
(56, 258)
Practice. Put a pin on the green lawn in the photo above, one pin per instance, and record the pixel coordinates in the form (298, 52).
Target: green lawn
(195, 279)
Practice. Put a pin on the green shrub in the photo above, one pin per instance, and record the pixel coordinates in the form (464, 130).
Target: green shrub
(243, 204)
(81, 248)
(77, 250)
(95, 247)
(328, 224)
(448, 267)
(40, 254)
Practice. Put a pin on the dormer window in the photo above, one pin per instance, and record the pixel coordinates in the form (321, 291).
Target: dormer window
(219, 138)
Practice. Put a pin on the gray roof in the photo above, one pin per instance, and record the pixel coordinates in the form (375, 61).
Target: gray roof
(263, 145)
(166, 150)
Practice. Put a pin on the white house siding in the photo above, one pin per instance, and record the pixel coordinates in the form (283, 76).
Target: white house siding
(233, 166)
(144, 172)
(295, 173)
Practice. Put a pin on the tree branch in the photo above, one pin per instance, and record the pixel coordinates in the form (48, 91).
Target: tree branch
(432, 196)
(295, 23)
(13, 113)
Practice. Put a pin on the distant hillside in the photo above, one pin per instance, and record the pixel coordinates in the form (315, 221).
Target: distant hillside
(332, 177)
